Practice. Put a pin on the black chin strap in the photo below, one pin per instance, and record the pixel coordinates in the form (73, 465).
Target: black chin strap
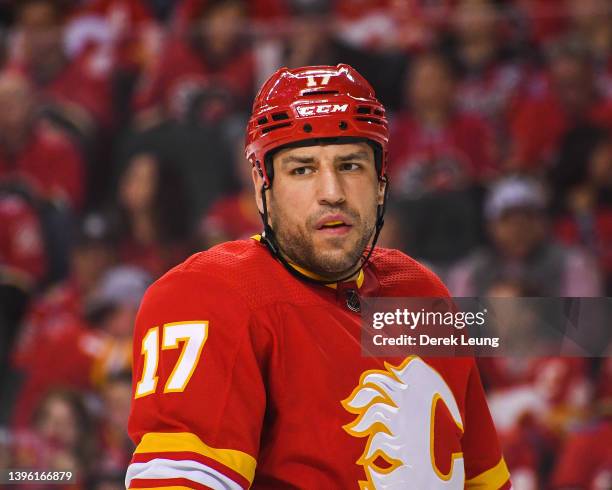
(269, 239)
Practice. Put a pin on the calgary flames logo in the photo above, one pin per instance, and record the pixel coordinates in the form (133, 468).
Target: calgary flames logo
(395, 410)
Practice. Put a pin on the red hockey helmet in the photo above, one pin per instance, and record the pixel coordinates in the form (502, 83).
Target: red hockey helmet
(313, 103)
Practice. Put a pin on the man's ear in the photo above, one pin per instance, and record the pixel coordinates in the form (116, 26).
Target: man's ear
(257, 184)
(382, 185)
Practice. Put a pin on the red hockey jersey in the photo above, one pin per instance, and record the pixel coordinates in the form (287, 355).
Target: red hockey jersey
(245, 376)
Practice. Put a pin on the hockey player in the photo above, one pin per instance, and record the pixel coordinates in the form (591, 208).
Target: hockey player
(247, 362)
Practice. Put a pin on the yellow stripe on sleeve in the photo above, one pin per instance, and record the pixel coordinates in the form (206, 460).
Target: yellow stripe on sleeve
(171, 442)
(490, 479)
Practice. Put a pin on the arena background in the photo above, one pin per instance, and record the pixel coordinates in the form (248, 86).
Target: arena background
(121, 134)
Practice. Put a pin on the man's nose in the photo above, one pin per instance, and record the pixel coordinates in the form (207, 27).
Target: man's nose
(330, 189)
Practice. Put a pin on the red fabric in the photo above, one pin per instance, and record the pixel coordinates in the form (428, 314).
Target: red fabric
(154, 258)
(519, 449)
(603, 387)
(566, 229)
(547, 21)
(585, 458)
(539, 123)
(129, 21)
(136, 10)
(48, 318)
(79, 358)
(558, 378)
(65, 361)
(280, 357)
(21, 240)
(462, 150)
(86, 82)
(169, 482)
(182, 72)
(492, 93)
(50, 163)
(351, 9)
(232, 218)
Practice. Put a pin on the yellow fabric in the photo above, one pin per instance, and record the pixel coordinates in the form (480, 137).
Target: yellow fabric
(491, 479)
(170, 442)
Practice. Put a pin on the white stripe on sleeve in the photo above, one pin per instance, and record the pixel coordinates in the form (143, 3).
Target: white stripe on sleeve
(160, 468)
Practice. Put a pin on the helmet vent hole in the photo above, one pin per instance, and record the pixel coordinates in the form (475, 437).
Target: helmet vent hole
(363, 110)
(343, 125)
(279, 116)
(262, 120)
(369, 119)
(307, 128)
(275, 126)
(319, 92)
(378, 112)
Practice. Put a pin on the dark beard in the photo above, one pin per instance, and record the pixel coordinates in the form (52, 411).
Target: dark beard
(300, 249)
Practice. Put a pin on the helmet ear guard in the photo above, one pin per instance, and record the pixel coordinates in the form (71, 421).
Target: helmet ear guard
(312, 106)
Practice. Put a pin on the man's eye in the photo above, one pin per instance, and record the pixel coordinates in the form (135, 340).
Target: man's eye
(347, 167)
(301, 171)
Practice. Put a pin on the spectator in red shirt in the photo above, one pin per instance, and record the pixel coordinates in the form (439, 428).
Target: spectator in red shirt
(62, 306)
(32, 152)
(489, 76)
(438, 155)
(23, 261)
(564, 98)
(87, 352)
(585, 461)
(211, 62)
(78, 90)
(151, 217)
(435, 146)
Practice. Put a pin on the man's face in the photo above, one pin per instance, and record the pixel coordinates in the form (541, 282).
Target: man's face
(322, 205)
(430, 86)
(573, 84)
(518, 232)
(41, 30)
(15, 106)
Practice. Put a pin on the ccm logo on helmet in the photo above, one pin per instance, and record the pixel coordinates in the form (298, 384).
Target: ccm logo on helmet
(313, 110)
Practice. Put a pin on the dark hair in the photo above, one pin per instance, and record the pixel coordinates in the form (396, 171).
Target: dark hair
(575, 152)
(123, 376)
(171, 206)
(85, 446)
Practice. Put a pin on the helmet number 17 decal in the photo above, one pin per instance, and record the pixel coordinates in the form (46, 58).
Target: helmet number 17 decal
(192, 334)
(312, 80)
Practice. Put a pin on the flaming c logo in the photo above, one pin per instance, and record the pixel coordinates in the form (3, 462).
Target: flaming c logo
(395, 410)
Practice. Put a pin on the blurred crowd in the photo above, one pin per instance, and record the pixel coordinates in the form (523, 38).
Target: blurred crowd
(121, 153)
